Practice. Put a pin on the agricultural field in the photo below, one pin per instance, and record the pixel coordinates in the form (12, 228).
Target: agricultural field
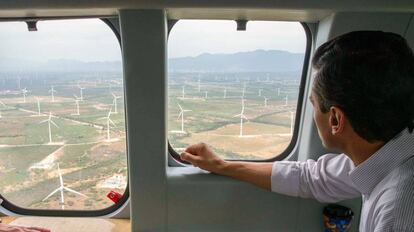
(62, 125)
(240, 115)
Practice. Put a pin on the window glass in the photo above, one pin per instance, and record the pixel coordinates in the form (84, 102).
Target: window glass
(234, 90)
(62, 126)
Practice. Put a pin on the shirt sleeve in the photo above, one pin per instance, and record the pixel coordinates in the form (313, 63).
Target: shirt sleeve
(326, 180)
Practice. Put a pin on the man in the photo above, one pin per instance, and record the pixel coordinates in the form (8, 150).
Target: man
(363, 98)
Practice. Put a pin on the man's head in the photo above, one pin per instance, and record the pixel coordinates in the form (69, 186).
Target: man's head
(364, 83)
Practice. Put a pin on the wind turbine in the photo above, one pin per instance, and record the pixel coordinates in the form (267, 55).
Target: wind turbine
(242, 116)
(265, 101)
(286, 100)
(182, 117)
(115, 103)
(260, 92)
(206, 95)
(77, 105)
(109, 122)
(24, 92)
(50, 122)
(2, 103)
(38, 106)
(199, 87)
(225, 93)
(52, 91)
(81, 92)
(61, 188)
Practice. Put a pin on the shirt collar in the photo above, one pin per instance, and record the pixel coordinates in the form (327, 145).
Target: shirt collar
(370, 172)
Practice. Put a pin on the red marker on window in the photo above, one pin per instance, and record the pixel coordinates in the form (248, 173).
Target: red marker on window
(114, 196)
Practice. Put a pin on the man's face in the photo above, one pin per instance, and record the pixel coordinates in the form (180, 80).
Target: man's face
(322, 123)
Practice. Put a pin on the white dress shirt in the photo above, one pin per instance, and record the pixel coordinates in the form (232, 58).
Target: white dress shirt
(385, 181)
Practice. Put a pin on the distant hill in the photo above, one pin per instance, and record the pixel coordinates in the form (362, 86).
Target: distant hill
(253, 61)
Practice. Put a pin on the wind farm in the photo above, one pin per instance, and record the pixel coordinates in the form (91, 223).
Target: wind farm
(240, 115)
(56, 151)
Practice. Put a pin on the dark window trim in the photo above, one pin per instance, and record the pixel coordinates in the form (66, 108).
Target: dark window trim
(73, 213)
(294, 139)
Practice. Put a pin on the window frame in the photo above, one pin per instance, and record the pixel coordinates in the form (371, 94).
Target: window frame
(174, 157)
(72, 213)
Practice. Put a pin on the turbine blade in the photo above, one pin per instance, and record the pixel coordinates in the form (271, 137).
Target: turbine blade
(73, 191)
(54, 191)
(179, 115)
(44, 121)
(54, 123)
(111, 122)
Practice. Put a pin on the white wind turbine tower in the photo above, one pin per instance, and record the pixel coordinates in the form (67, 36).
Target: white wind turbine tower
(19, 82)
(52, 91)
(38, 106)
(199, 86)
(60, 189)
(81, 92)
(50, 122)
(24, 92)
(4, 105)
(244, 89)
(225, 93)
(206, 95)
(260, 92)
(77, 105)
(114, 102)
(242, 116)
(286, 100)
(183, 92)
(182, 117)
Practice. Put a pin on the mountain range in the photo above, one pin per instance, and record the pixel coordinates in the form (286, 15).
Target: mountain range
(252, 61)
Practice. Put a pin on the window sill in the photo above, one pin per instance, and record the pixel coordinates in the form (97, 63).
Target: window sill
(69, 224)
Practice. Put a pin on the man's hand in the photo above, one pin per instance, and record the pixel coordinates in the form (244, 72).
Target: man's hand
(201, 155)
(8, 228)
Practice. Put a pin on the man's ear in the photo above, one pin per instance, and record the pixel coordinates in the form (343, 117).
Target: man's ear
(336, 120)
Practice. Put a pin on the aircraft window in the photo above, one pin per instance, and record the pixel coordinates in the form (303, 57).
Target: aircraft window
(236, 90)
(62, 122)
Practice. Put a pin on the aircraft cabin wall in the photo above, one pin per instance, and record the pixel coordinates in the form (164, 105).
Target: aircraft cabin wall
(197, 201)
(167, 197)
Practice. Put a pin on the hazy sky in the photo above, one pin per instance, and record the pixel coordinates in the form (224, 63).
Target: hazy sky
(92, 40)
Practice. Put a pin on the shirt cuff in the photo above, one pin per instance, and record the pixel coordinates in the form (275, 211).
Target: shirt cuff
(286, 178)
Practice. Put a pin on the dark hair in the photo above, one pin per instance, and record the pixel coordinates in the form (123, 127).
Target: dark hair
(370, 76)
